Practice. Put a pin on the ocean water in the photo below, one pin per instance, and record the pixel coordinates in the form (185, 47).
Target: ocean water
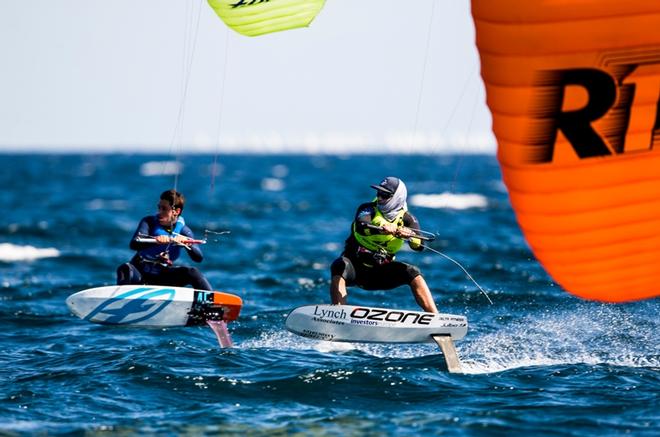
(537, 361)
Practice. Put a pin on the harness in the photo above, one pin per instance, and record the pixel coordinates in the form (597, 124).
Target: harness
(153, 259)
(378, 249)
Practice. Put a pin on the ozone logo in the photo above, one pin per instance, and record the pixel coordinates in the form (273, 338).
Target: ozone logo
(392, 316)
(142, 303)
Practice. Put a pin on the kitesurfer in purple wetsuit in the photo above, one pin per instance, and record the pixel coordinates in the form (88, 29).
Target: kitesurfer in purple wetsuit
(153, 262)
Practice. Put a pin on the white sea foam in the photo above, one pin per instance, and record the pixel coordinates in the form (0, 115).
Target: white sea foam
(161, 168)
(12, 253)
(272, 184)
(102, 204)
(582, 336)
(286, 340)
(606, 335)
(329, 346)
(449, 201)
(277, 340)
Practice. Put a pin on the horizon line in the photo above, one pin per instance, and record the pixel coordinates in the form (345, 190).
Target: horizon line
(275, 143)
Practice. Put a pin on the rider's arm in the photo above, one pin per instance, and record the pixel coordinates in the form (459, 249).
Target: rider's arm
(363, 217)
(142, 230)
(193, 250)
(410, 221)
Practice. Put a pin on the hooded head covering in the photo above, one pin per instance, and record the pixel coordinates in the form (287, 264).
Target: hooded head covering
(396, 189)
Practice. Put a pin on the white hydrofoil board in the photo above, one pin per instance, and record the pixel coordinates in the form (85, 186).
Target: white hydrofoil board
(153, 305)
(360, 324)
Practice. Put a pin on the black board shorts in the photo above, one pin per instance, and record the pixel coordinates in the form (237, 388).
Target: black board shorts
(379, 277)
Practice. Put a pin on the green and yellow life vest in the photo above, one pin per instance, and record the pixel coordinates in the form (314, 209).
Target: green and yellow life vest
(381, 242)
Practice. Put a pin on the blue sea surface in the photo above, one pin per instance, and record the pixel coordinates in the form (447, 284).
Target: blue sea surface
(538, 361)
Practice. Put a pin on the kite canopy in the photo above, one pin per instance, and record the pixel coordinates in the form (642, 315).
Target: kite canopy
(574, 90)
(257, 17)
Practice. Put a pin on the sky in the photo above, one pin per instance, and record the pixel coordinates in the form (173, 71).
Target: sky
(372, 75)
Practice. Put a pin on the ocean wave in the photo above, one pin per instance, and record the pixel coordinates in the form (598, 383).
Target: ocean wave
(13, 253)
(161, 168)
(272, 184)
(546, 360)
(592, 335)
(103, 204)
(449, 201)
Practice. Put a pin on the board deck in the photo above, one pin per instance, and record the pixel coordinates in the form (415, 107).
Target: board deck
(153, 305)
(373, 325)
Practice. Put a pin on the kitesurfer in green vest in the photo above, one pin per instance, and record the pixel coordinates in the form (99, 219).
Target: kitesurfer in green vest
(377, 233)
